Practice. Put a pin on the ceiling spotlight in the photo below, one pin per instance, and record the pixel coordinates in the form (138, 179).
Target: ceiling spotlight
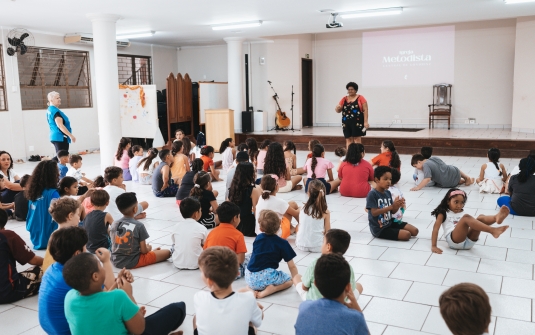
(237, 25)
(372, 12)
(135, 35)
(517, 1)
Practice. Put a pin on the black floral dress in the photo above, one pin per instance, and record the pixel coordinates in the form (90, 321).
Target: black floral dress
(352, 119)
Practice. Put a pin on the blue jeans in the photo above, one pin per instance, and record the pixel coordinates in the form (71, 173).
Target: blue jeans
(505, 200)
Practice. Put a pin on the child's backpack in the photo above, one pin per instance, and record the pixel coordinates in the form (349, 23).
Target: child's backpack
(201, 139)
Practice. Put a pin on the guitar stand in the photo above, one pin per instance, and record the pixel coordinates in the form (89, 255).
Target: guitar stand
(292, 129)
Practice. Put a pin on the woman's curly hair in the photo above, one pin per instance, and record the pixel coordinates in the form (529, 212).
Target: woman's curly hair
(45, 175)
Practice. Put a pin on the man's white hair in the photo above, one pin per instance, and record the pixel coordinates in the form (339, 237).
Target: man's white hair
(51, 95)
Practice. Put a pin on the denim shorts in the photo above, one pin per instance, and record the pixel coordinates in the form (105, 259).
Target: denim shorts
(465, 245)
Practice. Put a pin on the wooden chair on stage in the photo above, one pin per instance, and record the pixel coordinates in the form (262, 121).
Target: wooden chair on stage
(440, 109)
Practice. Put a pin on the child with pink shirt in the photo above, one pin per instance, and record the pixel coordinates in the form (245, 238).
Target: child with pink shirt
(123, 156)
(317, 167)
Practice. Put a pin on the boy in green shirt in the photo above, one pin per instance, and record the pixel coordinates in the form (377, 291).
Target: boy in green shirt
(336, 241)
(116, 310)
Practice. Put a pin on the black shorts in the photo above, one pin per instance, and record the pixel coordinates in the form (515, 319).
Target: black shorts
(250, 332)
(352, 130)
(392, 232)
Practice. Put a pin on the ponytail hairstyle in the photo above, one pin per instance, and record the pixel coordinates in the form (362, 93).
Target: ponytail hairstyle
(312, 143)
(494, 156)
(527, 168)
(316, 152)
(395, 162)
(264, 145)
(224, 145)
(289, 146)
(316, 205)
(151, 154)
(243, 178)
(252, 148)
(268, 185)
(122, 145)
(206, 150)
(242, 147)
(65, 182)
(274, 162)
(186, 143)
(444, 206)
(133, 149)
(354, 154)
(201, 180)
(176, 147)
(197, 165)
(99, 182)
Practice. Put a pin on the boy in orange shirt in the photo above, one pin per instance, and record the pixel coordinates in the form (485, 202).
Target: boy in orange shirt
(226, 234)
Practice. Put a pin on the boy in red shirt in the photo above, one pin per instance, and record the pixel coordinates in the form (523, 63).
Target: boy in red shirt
(226, 234)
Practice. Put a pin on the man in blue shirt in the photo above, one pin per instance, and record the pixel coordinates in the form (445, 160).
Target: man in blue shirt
(332, 314)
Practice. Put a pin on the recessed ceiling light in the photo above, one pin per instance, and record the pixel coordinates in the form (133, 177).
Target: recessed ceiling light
(237, 25)
(371, 12)
(517, 1)
(135, 35)
(326, 10)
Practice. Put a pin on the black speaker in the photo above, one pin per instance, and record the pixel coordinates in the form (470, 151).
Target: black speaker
(247, 122)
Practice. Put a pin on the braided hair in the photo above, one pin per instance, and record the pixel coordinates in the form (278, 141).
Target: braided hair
(494, 157)
(316, 152)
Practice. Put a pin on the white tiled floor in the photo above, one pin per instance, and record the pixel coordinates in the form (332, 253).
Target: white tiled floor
(402, 280)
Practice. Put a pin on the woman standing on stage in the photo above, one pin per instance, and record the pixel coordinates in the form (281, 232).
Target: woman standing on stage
(354, 109)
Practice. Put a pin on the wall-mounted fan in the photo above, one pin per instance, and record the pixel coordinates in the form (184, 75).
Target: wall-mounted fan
(19, 41)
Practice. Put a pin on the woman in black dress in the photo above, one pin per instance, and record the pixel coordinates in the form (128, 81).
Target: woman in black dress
(354, 109)
(243, 193)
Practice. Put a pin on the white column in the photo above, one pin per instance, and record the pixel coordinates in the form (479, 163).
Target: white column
(107, 85)
(235, 78)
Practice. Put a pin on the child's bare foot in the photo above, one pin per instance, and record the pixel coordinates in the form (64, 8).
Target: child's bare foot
(270, 289)
(141, 216)
(502, 214)
(469, 181)
(496, 232)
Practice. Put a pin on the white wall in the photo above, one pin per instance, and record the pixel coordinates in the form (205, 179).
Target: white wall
(482, 88)
(22, 129)
(204, 63)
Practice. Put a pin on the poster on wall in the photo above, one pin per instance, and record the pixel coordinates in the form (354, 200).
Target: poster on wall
(139, 111)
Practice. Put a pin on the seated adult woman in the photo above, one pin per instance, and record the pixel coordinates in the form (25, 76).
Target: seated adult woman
(276, 164)
(243, 193)
(355, 173)
(11, 178)
(521, 198)
(40, 191)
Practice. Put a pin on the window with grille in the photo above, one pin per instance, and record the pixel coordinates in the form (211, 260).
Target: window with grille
(3, 99)
(134, 70)
(44, 70)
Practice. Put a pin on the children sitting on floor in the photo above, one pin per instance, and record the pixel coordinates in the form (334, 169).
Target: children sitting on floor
(116, 309)
(207, 156)
(336, 241)
(317, 167)
(440, 173)
(418, 175)
(269, 250)
(203, 192)
(63, 159)
(285, 210)
(241, 157)
(381, 206)
(114, 177)
(466, 309)
(137, 151)
(129, 246)
(146, 166)
(340, 152)
(396, 193)
(226, 234)
(21, 202)
(260, 158)
(187, 182)
(163, 186)
(123, 156)
(180, 164)
(223, 311)
(388, 156)
(66, 212)
(188, 235)
(15, 285)
(355, 173)
(311, 145)
(228, 153)
(461, 231)
(332, 314)
(76, 171)
(244, 193)
(85, 199)
(98, 222)
(314, 219)
(492, 176)
(68, 187)
(521, 198)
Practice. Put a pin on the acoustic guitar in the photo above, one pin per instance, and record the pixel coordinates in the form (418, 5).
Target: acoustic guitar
(281, 120)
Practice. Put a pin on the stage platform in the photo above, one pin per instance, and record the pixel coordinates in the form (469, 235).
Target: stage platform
(455, 142)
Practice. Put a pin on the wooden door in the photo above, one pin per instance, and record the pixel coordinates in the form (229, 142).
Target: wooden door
(188, 98)
(172, 115)
(180, 98)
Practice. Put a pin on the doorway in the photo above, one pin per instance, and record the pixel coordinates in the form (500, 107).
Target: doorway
(307, 102)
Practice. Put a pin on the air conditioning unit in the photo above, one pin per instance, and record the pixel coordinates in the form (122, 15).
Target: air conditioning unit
(88, 39)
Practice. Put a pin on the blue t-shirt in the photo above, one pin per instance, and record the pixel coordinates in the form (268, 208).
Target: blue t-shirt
(39, 222)
(326, 316)
(51, 301)
(376, 199)
(62, 170)
(268, 251)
